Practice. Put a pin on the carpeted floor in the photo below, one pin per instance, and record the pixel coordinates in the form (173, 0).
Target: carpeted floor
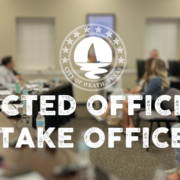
(127, 164)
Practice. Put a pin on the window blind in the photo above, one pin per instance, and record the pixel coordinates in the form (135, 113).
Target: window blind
(35, 43)
(163, 36)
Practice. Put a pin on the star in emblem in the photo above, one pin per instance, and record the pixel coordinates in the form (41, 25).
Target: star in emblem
(86, 29)
(120, 50)
(116, 41)
(121, 60)
(98, 29)
(76, 34)
(64, 60)
(65, 50)
(109, 34)
(69, 41)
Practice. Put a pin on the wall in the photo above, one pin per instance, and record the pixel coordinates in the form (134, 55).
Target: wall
(68, 14)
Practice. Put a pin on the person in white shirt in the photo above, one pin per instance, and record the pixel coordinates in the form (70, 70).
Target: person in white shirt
(7, 77)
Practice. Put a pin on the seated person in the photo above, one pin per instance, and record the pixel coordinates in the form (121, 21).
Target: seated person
(136, 90)
(154, 54)
(143, 81)
(7, 77)
(157, 82)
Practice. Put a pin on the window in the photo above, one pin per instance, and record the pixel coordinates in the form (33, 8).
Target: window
(35, 43)
(163, 36)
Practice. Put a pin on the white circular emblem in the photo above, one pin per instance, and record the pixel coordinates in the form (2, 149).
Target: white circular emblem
(93, 57)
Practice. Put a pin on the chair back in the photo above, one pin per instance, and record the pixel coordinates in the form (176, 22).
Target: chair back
(170, 104)
(174, 67)
(164, 91)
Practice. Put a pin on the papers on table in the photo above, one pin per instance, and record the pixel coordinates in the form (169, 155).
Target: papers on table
(5, 92)
(31, 86)
(44, 89)
(28, 176)
(36, 81)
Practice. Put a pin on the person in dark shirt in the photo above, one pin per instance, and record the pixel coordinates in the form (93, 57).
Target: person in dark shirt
(157, 82)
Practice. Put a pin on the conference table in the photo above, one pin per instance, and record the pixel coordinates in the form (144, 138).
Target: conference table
(64, 88)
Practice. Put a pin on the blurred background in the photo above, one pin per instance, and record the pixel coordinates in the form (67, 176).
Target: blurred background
(32, 31)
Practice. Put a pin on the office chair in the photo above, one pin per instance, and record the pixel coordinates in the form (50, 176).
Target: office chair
(156, 117)
(174, 68)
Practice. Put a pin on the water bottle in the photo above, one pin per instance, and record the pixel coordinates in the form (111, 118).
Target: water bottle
(40, 121)
(25, 92)
(41, 86)
(17, 89)
(83, 151)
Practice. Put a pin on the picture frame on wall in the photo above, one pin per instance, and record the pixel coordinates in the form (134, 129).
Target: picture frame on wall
(103, 19)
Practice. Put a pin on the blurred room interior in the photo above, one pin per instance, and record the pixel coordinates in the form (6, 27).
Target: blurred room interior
(31, 34)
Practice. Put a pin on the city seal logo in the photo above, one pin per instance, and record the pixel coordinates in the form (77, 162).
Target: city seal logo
(93, 57)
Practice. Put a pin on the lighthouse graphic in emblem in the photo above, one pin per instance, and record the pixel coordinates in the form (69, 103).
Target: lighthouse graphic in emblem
(103, 56)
